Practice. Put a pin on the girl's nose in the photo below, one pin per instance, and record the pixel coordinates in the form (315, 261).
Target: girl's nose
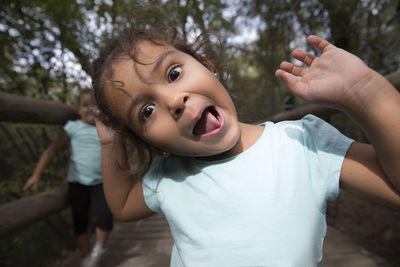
(177, 104)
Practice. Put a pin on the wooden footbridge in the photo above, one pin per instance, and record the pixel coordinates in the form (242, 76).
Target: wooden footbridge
(145, 243)
(148, 243)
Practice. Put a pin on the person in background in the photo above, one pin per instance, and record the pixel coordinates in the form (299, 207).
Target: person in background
(85, 188)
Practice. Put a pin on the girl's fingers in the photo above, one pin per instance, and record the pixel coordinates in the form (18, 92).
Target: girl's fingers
(99, 116)
(291, 68)
(303, 56)
(321, 44)
(95, 110)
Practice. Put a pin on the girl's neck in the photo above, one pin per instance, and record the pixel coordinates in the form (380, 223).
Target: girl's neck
(249, 134)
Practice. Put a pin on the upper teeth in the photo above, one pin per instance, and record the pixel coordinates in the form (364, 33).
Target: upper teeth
(215, 113)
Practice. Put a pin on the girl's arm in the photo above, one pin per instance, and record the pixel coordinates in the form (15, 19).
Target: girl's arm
(124, 195)
(341, 80)
(374, 170)
(362, 174)
(45, 159)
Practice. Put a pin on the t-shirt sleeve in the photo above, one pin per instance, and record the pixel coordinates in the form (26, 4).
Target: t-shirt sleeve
(325, 148)
(150, 186)
(70, 127)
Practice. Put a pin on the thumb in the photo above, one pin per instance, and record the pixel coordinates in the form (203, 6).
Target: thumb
(295, 85)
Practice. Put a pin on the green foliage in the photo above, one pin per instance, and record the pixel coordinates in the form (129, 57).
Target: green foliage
(369, 29)
(38, 245)
(20, 149)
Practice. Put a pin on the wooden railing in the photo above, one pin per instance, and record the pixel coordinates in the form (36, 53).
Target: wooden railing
(18, 214)
(15, 108)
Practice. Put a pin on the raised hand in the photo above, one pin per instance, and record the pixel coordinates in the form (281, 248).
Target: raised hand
(335, 78)
(106, 134)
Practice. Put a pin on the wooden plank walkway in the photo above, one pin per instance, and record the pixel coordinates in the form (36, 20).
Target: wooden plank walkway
(147, 243)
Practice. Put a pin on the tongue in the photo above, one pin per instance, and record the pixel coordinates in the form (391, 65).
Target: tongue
(206, 123)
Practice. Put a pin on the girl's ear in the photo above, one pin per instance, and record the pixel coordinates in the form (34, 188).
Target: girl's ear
(207, 63)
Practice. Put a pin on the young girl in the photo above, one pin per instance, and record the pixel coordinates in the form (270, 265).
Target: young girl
(236, 194)
(84, 178)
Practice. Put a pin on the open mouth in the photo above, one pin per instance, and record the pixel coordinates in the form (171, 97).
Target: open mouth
(208, 122)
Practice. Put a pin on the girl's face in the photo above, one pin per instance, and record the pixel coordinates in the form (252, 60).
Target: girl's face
(173, 102)
(84, 110)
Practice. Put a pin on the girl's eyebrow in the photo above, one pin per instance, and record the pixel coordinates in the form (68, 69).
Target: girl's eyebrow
(160, 60)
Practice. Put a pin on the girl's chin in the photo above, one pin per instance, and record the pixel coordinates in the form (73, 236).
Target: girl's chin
(89, 121)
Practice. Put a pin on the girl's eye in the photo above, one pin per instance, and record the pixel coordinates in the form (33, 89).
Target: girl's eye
(147, 111)
(174, 73)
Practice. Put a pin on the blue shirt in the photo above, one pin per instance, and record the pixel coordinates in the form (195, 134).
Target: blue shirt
(85, 159)
(263, 207)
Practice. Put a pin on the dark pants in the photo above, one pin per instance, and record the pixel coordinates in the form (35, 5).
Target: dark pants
(82, 197)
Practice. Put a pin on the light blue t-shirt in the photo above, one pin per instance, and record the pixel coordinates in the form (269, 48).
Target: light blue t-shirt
(85, 159)
(263, 207)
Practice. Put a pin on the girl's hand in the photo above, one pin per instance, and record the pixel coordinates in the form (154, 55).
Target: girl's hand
(106, 134)
(336, 78)
(31, 183)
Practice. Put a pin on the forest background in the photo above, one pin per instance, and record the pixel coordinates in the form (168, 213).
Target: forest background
(46, 50)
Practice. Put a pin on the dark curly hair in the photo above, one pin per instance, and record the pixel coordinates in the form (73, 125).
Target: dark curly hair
(125, 44)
